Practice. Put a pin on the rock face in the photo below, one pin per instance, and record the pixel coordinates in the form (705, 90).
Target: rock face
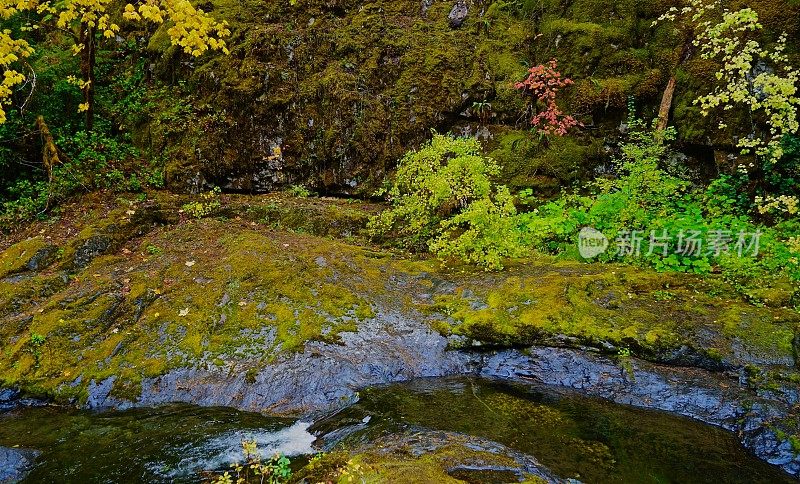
(334, 100)
(458, 14)
(387, 349)
(15, 464)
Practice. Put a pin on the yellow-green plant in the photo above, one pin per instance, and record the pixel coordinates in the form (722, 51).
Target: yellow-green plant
(752, 76)
(205, 206)
(444, 199)
(273, 471)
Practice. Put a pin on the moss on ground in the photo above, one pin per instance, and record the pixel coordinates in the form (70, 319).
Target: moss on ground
(238, 291)
(651, 314)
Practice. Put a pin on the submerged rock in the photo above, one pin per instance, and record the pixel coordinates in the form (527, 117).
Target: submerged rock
(395, 458)
(15, 463)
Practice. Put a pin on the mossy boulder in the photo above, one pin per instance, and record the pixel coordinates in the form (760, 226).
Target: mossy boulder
(241, 292)
(427, 456)
(28, 255)
(674, 319)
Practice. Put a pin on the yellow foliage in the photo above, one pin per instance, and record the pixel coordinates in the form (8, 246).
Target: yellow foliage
(192, 29)
(11, 51)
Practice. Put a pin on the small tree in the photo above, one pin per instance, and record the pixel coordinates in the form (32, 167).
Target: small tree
(89, 22)
(542, 85)
(444, 198)
(753, 77)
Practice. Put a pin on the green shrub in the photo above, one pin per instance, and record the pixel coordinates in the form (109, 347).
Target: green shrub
(444, 199)
(646, 199)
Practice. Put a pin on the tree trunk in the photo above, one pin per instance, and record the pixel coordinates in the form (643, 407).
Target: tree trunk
(669, 91)
(666, 105)
(50, 156)
(87, 39)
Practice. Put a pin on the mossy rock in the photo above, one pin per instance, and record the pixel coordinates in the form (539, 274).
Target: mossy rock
(28, 255)
(426, 456)
(242, 292)
(656, 316)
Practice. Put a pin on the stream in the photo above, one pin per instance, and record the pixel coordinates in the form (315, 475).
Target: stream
(583, 438)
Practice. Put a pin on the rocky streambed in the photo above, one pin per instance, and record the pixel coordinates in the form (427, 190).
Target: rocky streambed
(133, 306)
(426, 430)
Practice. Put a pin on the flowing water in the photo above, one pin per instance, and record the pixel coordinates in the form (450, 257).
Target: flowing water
(575, 437)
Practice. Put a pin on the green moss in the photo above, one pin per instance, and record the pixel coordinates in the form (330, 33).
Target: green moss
(211, 294)
(16, 257)
(402, 466)
(622, 308)
(544, 167)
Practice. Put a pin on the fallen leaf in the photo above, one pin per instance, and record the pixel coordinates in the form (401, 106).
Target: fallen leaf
(183, 312)
(189, 263)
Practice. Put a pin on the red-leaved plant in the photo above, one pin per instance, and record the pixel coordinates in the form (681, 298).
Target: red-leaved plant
(543, 83)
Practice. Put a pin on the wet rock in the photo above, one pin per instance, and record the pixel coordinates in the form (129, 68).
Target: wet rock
(15, 463)
(702, 396)
(90, 248)
(11, 398)
(389, 348)
(42, 258)
(698, 394)
(458, 14)
(687, 356)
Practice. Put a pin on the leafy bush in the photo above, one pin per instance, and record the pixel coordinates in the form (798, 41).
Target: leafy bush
(645, 199)
(91, 161)
(443, 199)
(205, 206)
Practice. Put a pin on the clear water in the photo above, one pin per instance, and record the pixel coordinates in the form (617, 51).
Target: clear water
(588, 439)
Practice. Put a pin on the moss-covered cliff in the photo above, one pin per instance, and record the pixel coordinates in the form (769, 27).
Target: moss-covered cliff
(330, 94)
